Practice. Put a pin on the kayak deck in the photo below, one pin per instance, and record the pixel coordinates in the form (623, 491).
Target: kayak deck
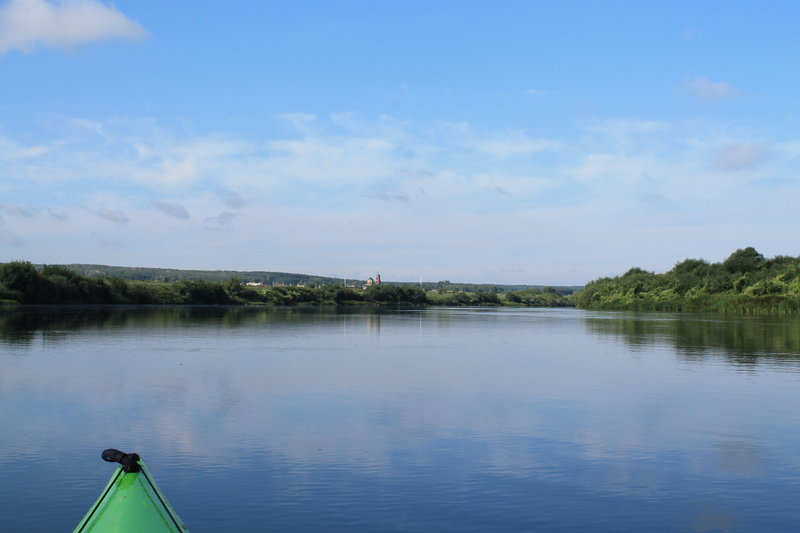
(131, 502)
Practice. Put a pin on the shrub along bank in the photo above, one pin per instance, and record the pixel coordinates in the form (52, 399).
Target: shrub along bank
(23, 283)
(745, 282)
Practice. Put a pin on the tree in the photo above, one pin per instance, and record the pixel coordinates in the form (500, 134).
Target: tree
(23, 280)
(743, 261)
(203, 292)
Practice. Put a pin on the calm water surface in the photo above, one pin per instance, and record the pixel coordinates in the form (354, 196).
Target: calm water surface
(416, 420)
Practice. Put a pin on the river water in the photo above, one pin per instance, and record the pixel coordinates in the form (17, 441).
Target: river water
(406, 420)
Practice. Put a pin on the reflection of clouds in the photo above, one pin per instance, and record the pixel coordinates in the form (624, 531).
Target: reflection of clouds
(710, 518)
(740, 455)
(519, 394)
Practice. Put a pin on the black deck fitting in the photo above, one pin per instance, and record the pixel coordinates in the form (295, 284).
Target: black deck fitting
(129, 461)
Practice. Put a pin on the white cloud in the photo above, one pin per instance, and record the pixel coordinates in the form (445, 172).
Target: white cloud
(344, 160)
(625, 135)
(614, 167)
(10, 150)
(299, 121)
(171, 209)
(180, 162)
(740, 156)
(323, 186)
(620, 127)
(705, 89)
(26, 24)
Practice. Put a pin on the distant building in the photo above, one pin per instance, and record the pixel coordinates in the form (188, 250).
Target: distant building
(373, 281)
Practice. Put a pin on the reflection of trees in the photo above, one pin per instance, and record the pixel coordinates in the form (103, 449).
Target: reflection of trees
(22, 325)
(374, 323)
(742, 340)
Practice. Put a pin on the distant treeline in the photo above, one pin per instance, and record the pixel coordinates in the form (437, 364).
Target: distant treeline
(536, 297)
(22, 282)
(282, 278)
(745, 282)
(450, 286)
(171, 274)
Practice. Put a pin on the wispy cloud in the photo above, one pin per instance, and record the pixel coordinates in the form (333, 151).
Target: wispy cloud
(389, 196)
(114, 215)
(789, 149)
(15, 209)
(299, 121)
(10, 150)
(180, 162)
(537, 93)
(232, 199)
(614, 167)
(620, 127)
(622, 174)
(27, 24)
(221, 221)
(58, 215)
(329, 158)
(515, 144)
(626, 134)
(740, 156)
(171, 209)
(705, 89)
(105, 242)
(6, 237)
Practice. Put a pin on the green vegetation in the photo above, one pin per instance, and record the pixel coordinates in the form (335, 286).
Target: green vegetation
(742, 341)
(171, 274)
(746, 282)
(546, 297)
(24, 283)
(280, 278)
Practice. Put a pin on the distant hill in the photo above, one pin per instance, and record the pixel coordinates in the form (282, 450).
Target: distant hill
(281, 278)
(485, 287)
(171, 274)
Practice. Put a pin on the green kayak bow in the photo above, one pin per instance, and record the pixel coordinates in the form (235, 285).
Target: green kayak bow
(131, 501)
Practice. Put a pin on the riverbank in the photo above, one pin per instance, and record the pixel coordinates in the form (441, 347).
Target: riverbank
(746, 282)
(23, 283)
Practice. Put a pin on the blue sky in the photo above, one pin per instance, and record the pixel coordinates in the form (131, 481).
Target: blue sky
(502, 142)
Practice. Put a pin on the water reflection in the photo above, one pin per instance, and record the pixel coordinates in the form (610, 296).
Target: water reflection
(298, 419)
(22, 326)
(740, 341)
